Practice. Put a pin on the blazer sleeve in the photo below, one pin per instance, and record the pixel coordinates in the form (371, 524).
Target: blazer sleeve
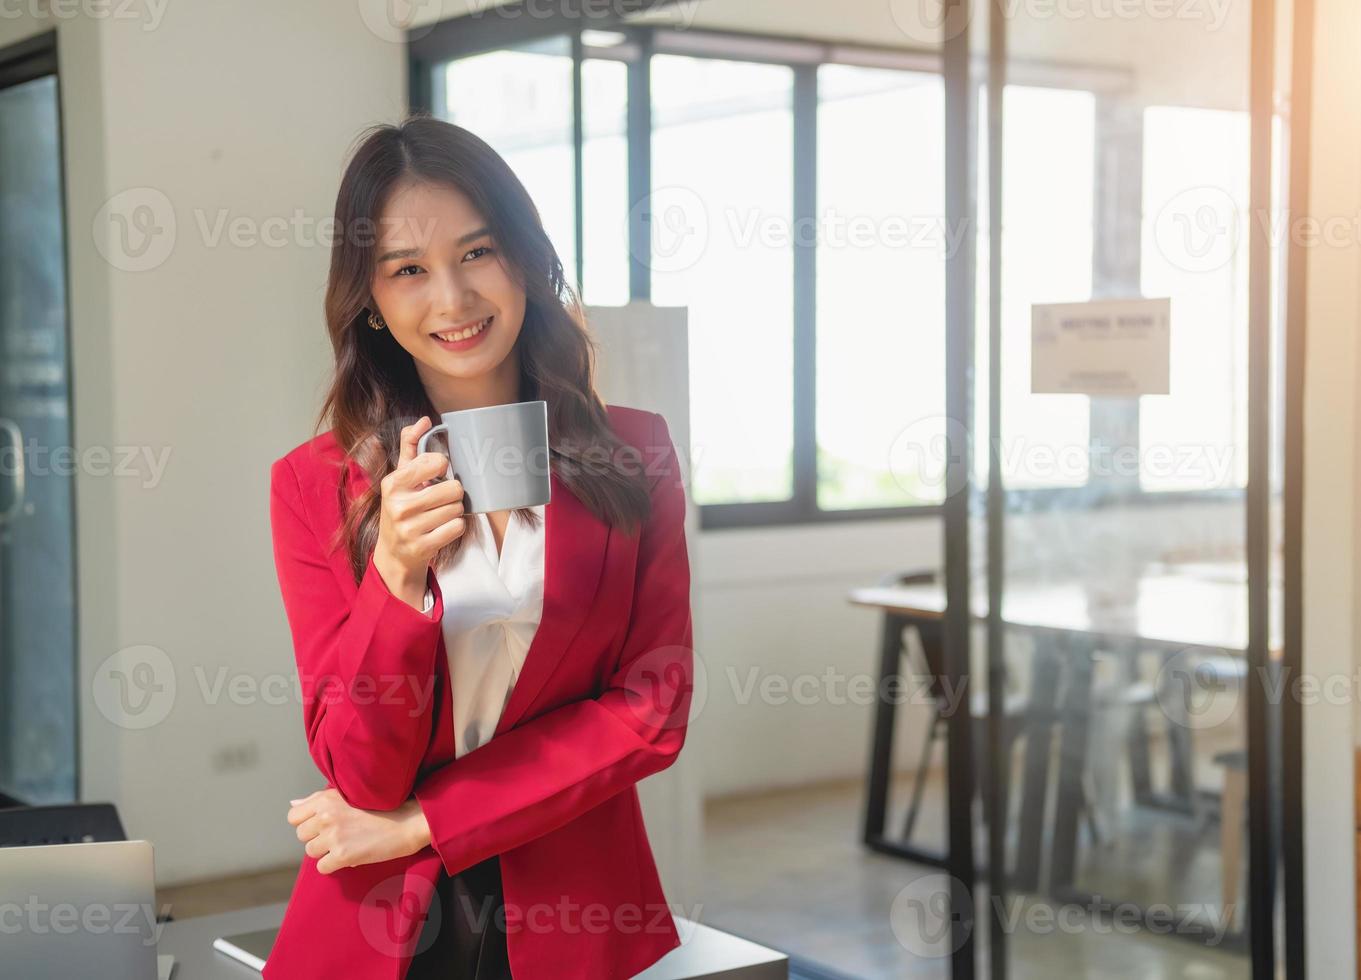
(366, 663)
(545, 772)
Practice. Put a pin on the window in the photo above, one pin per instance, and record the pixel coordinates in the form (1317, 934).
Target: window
(721, 224)
(880, 286)
(794, 204)
(1193, 250)
(604, 172)
(1049, 144)
(520, 101)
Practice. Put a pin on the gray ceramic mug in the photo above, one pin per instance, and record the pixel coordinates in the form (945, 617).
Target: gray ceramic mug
(499, 453)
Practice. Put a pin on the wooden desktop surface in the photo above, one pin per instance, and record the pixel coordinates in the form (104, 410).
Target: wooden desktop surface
(1205, 606)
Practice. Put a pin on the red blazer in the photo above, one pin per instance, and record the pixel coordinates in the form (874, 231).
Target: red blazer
(601, 702)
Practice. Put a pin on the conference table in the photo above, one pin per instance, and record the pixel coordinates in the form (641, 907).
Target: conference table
(704, 952)
(1197, 611)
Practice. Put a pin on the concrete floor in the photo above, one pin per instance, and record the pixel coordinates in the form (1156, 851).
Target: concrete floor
(787, 869)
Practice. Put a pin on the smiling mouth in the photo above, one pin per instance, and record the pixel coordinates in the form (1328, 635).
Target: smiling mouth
(464, 333)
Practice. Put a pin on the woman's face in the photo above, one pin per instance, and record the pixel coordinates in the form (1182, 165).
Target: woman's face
(449, 301)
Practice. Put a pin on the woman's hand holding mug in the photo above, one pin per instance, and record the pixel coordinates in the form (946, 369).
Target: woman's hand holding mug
(415, 520)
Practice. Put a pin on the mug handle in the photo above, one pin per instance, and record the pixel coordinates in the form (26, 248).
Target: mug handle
(425, 438)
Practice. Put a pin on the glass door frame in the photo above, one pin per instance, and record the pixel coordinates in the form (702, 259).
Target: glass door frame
(26, 61)
(1275, 835)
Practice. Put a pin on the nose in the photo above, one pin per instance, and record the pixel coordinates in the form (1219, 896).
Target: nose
(455, 296)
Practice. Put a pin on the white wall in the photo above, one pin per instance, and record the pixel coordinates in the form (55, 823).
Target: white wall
(637, 348)
(216, 354)
(775, 613)
(219, 352)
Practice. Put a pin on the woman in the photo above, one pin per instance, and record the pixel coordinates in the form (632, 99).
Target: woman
(481, 692)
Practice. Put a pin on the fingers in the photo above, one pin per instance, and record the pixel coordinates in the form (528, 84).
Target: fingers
(425, 521)
(428, 466)
(443, 492)
(306, 815)
(310, 805)
(446, 533)
(308, 829)
(317, 849)
(410, 509)
(420, 514)
(420, 473)
(417, 471)
(301, 809)
(411, 435)
(441, 532)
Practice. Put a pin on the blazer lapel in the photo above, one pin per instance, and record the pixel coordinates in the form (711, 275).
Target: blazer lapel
(574, 558)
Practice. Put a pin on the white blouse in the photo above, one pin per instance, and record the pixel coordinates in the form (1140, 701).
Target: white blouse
(492, 606)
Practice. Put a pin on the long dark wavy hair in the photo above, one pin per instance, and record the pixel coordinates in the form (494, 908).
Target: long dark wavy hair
(376, 390)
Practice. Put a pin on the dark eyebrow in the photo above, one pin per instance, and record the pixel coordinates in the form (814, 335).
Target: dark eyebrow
(411, 253)
(399, 253)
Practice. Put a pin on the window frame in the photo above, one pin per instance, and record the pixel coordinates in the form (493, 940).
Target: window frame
(431, 48)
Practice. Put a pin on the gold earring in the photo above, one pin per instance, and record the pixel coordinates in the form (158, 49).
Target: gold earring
(376, 321)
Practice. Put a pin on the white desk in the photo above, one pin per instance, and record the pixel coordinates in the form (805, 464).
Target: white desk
(704, 952)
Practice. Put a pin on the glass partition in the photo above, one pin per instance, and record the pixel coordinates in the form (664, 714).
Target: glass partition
(1121, 752)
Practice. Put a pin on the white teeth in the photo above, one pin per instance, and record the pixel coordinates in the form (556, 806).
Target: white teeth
(464, 334)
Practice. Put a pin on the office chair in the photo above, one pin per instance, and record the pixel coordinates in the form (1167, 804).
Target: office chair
(63, 823)
(71, 823)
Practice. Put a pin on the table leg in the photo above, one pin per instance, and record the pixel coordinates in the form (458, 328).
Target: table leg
(1180, 748)
(881, 744)
(1140, 771)
(1072, 764)
(1044, 684)
(1233, 803)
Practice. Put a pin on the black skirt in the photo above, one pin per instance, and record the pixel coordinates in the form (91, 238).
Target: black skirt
(464, 935)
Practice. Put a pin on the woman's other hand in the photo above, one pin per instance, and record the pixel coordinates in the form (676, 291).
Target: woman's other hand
(341, 836)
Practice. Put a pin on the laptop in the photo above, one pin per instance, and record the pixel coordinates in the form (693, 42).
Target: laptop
(79, 910)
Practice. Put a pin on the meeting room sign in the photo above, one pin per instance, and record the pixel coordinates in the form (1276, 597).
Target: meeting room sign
(1114, 348)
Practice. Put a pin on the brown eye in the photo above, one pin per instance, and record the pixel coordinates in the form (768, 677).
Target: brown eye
(484, 249)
